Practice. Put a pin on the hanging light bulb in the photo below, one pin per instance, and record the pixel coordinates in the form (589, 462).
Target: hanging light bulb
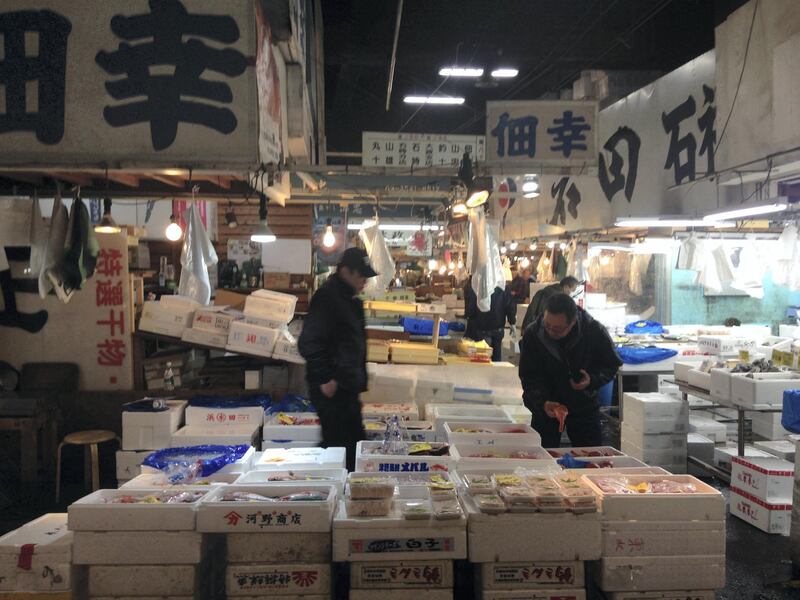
(173, 231)
(503, 250)
(532, 247)
(107, 223)
(432, 264)
(530, 186)
(525, 263)
(329, 239)
(452, 265)
(605, 260)
(230, 217)
(460, 264)
(562, 246)
(263, 234)
(546, 261)
(551, 245)
(442, 270)
(459, 207)
(513, 245)
(441, 232)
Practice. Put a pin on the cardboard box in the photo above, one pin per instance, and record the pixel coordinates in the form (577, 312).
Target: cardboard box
(205, 338)
(263, 579)
(410, 574)
(513, 576)
(129, 464)
(715, 431)
(138, 548)
(723, 455)
(230, 299)
(158, 317)
(50, 566)
(653, 441)
(401, 594)
(281, 548)
(150, 580)
(215, 319)
(278, 281)
(674, 595)
(151, 430)
(266, 304)
(252, 339)
(201, 416)
(534, 594)
(649, 573)
(666, 538)
(768, 479)
(766, 516)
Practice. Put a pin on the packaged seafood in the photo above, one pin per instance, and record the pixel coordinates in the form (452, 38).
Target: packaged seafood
(371, 487)
(416, 509)
(490, 503)
(517, 493)
(441, 489)
(479, 484)
(448, 509)
(368, 507)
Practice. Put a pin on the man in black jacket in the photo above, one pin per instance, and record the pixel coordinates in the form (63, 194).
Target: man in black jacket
(489, 326)
(535, 309)
(565, 358)
(334, 344)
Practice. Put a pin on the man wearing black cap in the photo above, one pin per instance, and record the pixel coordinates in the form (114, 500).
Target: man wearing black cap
(334, 344)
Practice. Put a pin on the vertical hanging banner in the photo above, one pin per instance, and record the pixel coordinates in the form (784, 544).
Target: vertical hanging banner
(133, 83)
(541, 132)
(270, 143)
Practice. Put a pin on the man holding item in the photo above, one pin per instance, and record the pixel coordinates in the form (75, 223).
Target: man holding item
(334, 344)
(568, 285)
(565, 358)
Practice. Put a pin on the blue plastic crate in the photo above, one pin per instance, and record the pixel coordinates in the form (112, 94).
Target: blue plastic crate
(416, 326)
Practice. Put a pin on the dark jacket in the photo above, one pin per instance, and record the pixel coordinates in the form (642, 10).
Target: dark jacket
(480, 323)
(545, 365)
(333, 340)
(536, 307)
(519, 288)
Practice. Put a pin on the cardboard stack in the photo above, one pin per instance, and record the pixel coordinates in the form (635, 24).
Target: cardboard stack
(227, 424)
(278, 547)
(169, 316)
(761, 492)
(133, 547)
(654, 430)
(266, 315)
(659, 541)
(210, 326)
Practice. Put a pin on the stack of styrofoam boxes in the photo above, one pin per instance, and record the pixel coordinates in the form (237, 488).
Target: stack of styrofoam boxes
(761, 492)
(783, 449)
(129, 464)
(139, 549)
(287, 430)
(706, 426)
(388, 395)
(438, 414)
(723, 455)
(274, 548)
(795, 530)
(266, 314)
(37, 558)
(169, 316)
(762, 390)
(654, 430)
(228, 425)
(432, 391)
(682, 368)
(455, 306)
(661, 542)
(210, 326)
(701, 448)
(768, 425)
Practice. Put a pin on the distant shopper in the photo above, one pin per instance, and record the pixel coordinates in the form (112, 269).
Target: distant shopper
(489, 326)
(568, 285)
(334, 344)
(565, 358)
(520, 286)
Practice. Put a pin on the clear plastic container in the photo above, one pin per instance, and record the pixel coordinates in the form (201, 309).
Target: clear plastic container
(535, 479)
(490, 503)
(525, 507)
(442, 490)
(449, 509)
(367, 488)
(506, 479)
(416, 509)
(479, 484)
(368, 507)
(513, 494)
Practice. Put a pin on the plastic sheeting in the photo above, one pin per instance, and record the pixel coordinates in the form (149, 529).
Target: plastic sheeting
(197, 255)
(380, 258)
(690, 254)
(790, 419)
(640, 356)
(188, 463)
(55, 244)
(483, 258)
(38, 237)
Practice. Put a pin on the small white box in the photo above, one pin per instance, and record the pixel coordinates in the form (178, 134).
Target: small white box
(700, 380)
(653, 441)
(205, 338)
(700, 447)
(295, 458)
(432, 308)
(682, 368)
(137, 548)
(50, 559)
(149, 580)
(518, 413)
(229, 435)
(766, 516)
(369, 458)
(439, 413)
(762, 389)
(129, 464)
(472, 395)
(280, 548)
(723, 455)
(491, 433)
(434, 390)
(267, 579)
(407, 575)
(517, 575)
(151, 430)
(669, 456)
(656, 413)
(768, 479)
(715, 431)
(252, 339)
(718, 345)
(215, 319)
(768, 425)
(649, 573)
(252, 380)
(783, 449)
(771, 343)
(286, 349)
(201, 416)
(335, 477)
(266, 304)
(385, 410)
(159, 317)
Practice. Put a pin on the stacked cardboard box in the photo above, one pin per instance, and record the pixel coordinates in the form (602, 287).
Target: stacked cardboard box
(761, 492)
(266, 315)
(169, 316)
(211, 325)
(225, 424)
(654, 430)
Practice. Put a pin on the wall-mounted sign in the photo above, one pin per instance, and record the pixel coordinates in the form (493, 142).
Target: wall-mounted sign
(419, 150)
(530, 132)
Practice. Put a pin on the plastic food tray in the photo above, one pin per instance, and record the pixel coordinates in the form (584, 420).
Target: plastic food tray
(335, 477)
(298, 458)
(369, 461)
(499, 456)
(493, 433)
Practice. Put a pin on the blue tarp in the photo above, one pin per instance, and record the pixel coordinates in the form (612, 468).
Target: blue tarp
(640, 356)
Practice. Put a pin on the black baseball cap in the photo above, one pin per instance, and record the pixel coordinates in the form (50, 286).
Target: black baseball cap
(357, 259)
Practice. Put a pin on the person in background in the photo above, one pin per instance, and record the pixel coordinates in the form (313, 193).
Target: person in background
(489, 326)
(565, 358)
(568, 285)
(520, 286)
(334, 344)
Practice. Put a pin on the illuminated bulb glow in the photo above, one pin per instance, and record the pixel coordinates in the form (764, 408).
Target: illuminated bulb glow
(477, 198)
(432, 264)
(525, 263)
(461, 264)
(513, 246)
(563, 245)
(460, 208)
(460, 72)
(329, 239)
(439, 100)
(442, 270)
(505, 73)
(394, 226)
(503, 250)
(546, 261)
(532, 247)
(750, 211)
(452, 265)
(551, 245)
(173, 232)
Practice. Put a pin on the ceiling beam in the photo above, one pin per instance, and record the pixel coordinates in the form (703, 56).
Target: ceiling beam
(29, 178)
(221, 181)
(128, 179)
(175, 182)
(81, 179)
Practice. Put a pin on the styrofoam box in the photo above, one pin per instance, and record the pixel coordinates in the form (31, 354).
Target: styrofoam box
(95, 512)
(475, 455)
(265, 323)
(407, 410)
(723, 344)
(672, 595)
(150, 480)
(244, 580)
(368, 460)
(516, 575)
(386, 594)
(768, 425)
(267, 444)
(653, 441)
(666, 538)
(682, 368)
(129, 464)
(472, 395)
(205, 338)
(656, 413)
(398, 382)
(151, 430)
(137, 548)
(518, 413)
(295, 547)
(416, 431)
(705, 504)
(286, 349)
(721, 384)
(509, 396)
(439, 413)
(408, 574)
(771, 343)
(178, 301)
(714, 430)
(597, 451)
(434, 390)
(496, 433)
(273, 430)
(148, 580)
(386, 395)
(252, 339)
(617, 463)
(334, 477)
(723, 455)
(378, 539)
(669, 456)
(296, 458)
(768, 479)
(766, 516)
(226, 435)
(783, 449)
(217, 516)
(700, 379)
(50, 568)
(215, 319)
(700, 447)
(621, 573)
(202, 416)
(763, 389)
(266, 304)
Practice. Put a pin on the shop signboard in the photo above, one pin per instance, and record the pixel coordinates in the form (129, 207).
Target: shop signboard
(129, 83)
(522, 133)
(270, 143)
(419, 150)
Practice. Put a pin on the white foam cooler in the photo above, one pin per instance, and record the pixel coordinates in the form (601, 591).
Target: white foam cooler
(672, 595)
(295, 458)
(768, 479)
(228, 435)
(265, 580)
(207, 416)
(501, 456)
(440, 413)
(532, 574)
(369, 459)
(762, 389)
(151, 430)
(138, 548)
(491, 433)
(335, 477)
(649, 573)
(45, 544)
(768, 516)
(403, 574)
(663, 538)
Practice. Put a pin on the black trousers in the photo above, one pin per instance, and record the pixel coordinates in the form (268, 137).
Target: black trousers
(583, 428)
(341, 422)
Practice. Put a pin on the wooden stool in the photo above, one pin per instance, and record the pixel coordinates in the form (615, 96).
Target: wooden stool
(89, 439)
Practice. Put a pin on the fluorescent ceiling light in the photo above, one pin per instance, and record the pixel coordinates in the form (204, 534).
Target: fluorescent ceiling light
(393, 226)
(504, 73)
(433, 100)
(752, 210)
(460, 72)
(668, 222)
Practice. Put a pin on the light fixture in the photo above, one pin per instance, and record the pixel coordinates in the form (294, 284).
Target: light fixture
(432, 264)
(452, 265)
(107, 224)
(460, 72)
(505, 72)
(637, 222)
(562, 246)
(551, 245)
(442, 270)
(460, 264)
(230, 217)
(503, 250)
(439, 100)
(459, 207)
(750, 210)
(605, 260)
(394, 226)
(532, 247)
(513, 245)
(546, 261)
(441, 232)
(530, 186)
(329, 239)
(525, 263)
(477, 196)
(173, 231)
(263, 234)
(172, 172)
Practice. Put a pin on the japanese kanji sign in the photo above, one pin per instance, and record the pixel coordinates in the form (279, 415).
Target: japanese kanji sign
(159, 82)
(541, 132)
(419, 150)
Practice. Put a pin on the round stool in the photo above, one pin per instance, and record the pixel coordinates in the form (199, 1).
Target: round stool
(89, 439)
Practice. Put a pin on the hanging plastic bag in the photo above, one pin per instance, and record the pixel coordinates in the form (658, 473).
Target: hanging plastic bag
(380, 258)
(690, 254)
(638, 270)
(197, 255)
(38, 238)
(708, 276)
(724, 265)
(749, 275)
(184, 465)
(55, 244)
(483, 258)
(631, 355)
(784, 255)
(790, 419)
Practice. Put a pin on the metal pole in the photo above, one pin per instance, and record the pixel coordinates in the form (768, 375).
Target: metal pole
(394, 53)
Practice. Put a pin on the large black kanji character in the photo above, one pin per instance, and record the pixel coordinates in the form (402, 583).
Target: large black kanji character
(677, 144)
(706, 124)
(558, 190)
(47, 68)
(164, 107)
(620, 181)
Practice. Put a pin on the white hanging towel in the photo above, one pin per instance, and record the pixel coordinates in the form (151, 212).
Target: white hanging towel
(197, 255)
(785, 255)
(690, 254)
(38, 237)
(749, 275)
(380, 258)
(639, 266)
(55, 244)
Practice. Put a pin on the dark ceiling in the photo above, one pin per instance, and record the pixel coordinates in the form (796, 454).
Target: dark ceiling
(549, 41)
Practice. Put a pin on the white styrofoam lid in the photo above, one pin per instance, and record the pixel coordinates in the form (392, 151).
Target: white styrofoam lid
(767, 464)
(49, 533)
(696, 438)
